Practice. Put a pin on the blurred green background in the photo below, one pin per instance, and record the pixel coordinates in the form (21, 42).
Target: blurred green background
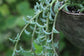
(11, 23)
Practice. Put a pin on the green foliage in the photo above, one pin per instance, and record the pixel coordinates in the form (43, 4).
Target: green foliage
(38, 34)
(76, 5)
(62, 46)
(41, 41)
(4, 10)
(24, 8)
(42, 33)
(4, 37)
(11, 22)
(1, 47)
(10, 1)
(37, 48)
(11, 19)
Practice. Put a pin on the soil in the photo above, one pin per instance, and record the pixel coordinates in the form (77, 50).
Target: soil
(74, 9)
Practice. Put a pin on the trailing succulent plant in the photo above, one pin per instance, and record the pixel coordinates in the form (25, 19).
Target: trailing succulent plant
(76, 6)
(42, 26)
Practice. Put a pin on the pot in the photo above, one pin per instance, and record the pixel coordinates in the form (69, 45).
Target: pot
(72, 25)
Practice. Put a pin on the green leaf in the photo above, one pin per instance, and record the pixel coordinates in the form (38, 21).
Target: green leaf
(4, 10)
(26, 32)
(55, 31)
(24, 52)
(9, 52)
(4, 37)
(61, 36)
(38, 48)
(46, 32)
(42, 26)
(57, 5)
(62, 45)
(50, 17)
(10, 22)
(27, 54)
(24, 8)
(2, 47)
(43, 20)
(10, 1)
(20, 22)
(12, 40)
(17, 37)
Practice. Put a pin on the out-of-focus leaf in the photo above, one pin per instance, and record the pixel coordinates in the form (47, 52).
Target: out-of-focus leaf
(10, 1)
(27, 54)
(2, 47)
(38, 48)
(20, 22)
(4, 10)
(62, 45)
(1, 1)
(4, 37)
(10, 22)
(9, 52)
(24, 9)
(61, 36)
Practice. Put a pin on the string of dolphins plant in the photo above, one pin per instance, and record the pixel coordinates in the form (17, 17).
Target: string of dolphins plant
(43, 27)
(75, 5)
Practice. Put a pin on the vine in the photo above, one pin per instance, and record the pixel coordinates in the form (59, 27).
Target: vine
(43, 28)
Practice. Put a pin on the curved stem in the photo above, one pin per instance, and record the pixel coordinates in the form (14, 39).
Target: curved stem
(54, 27)
(33, 39)
(52, 34)
(46, 36)
(22, 32)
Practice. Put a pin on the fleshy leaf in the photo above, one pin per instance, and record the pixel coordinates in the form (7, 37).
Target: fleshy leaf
(52, 11)
(56, 7)
(48, 41)
(40, 25)
(44, 16)
(50, 17)
(46, 32)
(29, 17)
(17, 37)
(26, 32)
(12, 40)
(43, 20)
(55, 31)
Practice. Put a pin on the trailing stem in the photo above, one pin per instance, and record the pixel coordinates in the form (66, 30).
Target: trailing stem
(22, 32)
(27, 25)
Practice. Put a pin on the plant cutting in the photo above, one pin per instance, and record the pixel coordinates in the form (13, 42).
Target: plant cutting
(71, 22)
